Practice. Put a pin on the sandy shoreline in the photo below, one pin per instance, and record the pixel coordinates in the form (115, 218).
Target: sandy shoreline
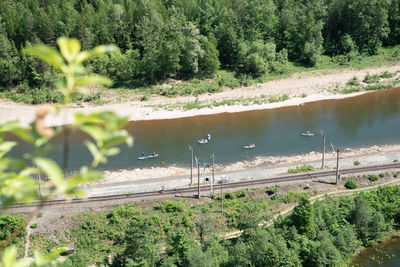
(301, 88)
(347, 156)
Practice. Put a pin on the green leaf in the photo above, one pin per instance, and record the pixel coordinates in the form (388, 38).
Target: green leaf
(117, 139)
(5, 147)
(69, 48)
(103, 49)
(97, 155)
(17, 188)
(95, 131)
(82, 57)
(111, 151)
(47, 54)
(92, 80)
(53, 172)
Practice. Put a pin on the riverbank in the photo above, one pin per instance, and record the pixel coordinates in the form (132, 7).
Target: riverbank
(268, 165)
(298, 89)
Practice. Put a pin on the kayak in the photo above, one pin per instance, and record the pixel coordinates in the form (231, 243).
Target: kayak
(202, 141)
(147, 157)
(307, 134)
(248, 147)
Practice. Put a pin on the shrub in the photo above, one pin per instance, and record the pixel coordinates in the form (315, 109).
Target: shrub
(387, 75)
(240, 194)
(350, 184)
(381, 175)
(371, 78)
(40, 214)
(356, 163)
(290, 196)
(229, 195)
(372, 177)
(303, 168)
(271, 190)
(170, 206)
(33, 225)
(395, 175)
(353, 82)
(8, 224)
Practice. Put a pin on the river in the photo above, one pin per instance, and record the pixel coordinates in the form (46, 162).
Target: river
(368, 119)
(382, 255)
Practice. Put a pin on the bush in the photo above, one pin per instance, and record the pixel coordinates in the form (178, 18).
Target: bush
(356, 163)
(371, 78)
(240, 194)
(381, 175)
(303, 168)
(372, 177)
(33, 225)
(229, 195)
(271, 190)
(170, 206)
(8, 224)
(350, 184)
(290, 196)
(353, 82)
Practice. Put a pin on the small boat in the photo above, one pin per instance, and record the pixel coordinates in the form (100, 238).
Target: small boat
(249, 146)
(202, 141)
(148, 157)
(307, 134)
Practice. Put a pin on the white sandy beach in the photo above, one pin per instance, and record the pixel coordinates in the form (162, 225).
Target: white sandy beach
(316, 85)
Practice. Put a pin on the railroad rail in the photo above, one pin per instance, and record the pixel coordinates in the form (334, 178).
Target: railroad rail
(279, 179)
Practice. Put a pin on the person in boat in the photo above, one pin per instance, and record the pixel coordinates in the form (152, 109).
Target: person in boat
(252, 145)
(154, 153)
(142, 154)
(308, 132)
(208, 136)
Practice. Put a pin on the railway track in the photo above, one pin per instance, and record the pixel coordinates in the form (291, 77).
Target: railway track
(166, 192)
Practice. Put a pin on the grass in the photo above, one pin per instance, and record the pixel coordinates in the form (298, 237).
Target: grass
(302, 168)
(245, 101)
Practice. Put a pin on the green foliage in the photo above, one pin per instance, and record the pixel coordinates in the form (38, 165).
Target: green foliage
(356, 163)
(167, 39)
(272, 190)
(302, 168)
(170, 206)
(371, 78)
(350, 184)
(353, 82)
(381, 175)
(18, 176)
(372, 177)
(8, 224)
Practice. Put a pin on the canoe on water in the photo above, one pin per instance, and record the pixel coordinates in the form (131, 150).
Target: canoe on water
(307, 134)
(249, 146)
(202, 141)
(147, 157)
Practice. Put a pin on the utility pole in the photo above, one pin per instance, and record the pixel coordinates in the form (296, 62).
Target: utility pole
(212, 178)
(191, 165)
(323, 149)
(198, 178)
(222, 199)
(337, 167)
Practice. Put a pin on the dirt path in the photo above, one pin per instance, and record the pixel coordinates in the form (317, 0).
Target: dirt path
(300, 88)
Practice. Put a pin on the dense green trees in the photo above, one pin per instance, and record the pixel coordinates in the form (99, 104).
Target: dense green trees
(185, 39)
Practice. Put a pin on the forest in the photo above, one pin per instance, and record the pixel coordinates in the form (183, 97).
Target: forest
(161, 39)
(174, 233)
